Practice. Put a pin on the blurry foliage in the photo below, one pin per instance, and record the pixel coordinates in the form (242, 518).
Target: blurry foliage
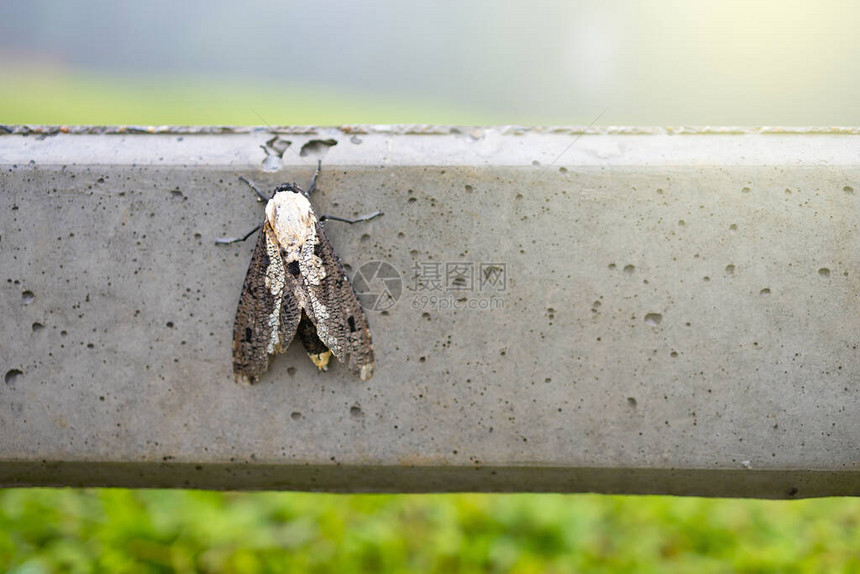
(116, 530)
(38, 95)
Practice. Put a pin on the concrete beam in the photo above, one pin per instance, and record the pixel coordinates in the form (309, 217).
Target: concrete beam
(679, 312)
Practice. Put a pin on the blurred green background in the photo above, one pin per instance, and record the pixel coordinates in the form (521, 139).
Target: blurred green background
(115, 530)
(541, 62)
(155, 63)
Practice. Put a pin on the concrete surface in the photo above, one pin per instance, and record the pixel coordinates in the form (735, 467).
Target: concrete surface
(680, 313)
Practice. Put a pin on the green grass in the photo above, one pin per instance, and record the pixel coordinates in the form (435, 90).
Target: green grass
(115, 530)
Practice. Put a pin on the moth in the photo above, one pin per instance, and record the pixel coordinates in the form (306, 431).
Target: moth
(297, 286)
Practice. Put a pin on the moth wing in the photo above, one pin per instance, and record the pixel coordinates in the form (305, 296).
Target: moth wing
(268, 313)
(335, 311)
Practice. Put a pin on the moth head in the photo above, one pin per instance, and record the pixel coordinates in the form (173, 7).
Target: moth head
(288, 187)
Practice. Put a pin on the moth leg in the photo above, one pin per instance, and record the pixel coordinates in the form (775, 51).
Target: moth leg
(313, 184)
(260, 195)
(367, 217)
(228, 240)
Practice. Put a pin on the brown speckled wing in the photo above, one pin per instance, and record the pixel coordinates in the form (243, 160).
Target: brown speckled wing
(342, 327)
(268, 313)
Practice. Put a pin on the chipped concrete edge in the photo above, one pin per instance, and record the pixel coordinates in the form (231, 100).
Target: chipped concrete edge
(425, 129)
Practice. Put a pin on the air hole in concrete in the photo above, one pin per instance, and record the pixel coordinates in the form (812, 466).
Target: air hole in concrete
(291, 371)
(653, 319)
(730, 269)
(848, 189)
(733, 227)
(176, 193)
(12, 376)
(631, 401)
(355, 411)
(469, 188)
(745, 190)
(317, 147)
(411, 200)
(278, 145)
(824, 272)
(356, 140)
(365, 238)
(37, 327)
(295, 415)
(611, 266)
(170, 324)
(27, 297)
(674, 354)
(629, 269)
(765, 291)
(272, 163)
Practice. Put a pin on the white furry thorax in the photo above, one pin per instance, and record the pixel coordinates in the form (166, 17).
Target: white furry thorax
(292, 218)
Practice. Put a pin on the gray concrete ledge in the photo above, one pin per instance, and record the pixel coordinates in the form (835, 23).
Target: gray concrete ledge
(680, 312)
